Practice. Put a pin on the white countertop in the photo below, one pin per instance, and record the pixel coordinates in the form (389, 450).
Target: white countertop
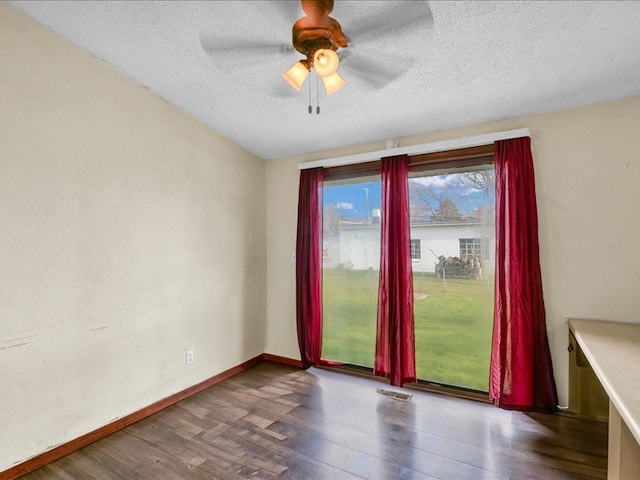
(613, 350)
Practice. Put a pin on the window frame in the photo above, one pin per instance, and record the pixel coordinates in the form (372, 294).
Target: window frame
(445, 160)
(449, 159)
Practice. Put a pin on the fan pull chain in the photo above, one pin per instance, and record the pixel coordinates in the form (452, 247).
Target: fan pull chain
(317, 95)
(310, 107)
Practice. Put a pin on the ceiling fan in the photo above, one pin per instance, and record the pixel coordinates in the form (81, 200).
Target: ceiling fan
(325, 47)
(317, 36)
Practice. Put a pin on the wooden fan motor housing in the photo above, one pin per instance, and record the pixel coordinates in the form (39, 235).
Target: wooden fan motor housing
(317, 29)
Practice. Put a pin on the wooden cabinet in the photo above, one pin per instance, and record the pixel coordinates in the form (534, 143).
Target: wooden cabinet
(613, 351)
(587, 398)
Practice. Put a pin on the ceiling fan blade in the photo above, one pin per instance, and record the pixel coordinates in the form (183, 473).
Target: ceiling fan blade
(282, 90)
(214, 45)
(395, 17)
(288, 10)
(378, 73)
(246, 55)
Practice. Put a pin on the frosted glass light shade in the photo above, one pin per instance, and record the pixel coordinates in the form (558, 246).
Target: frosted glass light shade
(296, 75)
(325, 62)
(333, 83)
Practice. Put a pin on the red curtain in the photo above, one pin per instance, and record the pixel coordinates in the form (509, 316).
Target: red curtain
(395, 350)
(521, 375)
(309, 266)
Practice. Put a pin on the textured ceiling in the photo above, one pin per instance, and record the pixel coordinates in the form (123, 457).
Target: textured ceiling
(414, 66)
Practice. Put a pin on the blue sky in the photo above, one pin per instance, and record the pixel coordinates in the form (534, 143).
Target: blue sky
(351, 199)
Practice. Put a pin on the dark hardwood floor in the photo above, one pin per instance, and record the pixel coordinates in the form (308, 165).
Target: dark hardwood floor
(274, 421)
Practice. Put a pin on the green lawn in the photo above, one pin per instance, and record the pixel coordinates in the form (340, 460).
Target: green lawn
(453, 325)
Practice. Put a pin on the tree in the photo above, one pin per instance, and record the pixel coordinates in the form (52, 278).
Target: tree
(453, 196)
(447, 211)
(432, 202)
(426, 199)
(484, 182)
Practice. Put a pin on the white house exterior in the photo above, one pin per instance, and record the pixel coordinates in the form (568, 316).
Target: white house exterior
(357, 246)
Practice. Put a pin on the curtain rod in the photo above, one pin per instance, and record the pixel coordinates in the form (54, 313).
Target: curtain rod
(463, 142)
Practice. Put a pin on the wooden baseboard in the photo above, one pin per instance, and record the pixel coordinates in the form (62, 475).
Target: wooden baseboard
(292, 362)
(581, 416)
(65, 449)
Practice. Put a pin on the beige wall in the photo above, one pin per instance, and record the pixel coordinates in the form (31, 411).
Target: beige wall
(129, 233)
(587, 163)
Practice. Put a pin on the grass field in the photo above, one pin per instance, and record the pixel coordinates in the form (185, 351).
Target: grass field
(453, 325)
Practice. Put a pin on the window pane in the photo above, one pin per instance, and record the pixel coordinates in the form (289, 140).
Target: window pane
(351, 258)
(452, 215)
(415, 249)
(473, 247)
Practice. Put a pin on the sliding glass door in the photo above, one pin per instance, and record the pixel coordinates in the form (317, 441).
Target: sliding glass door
(351, 257)
(453, 240)
(452, 245)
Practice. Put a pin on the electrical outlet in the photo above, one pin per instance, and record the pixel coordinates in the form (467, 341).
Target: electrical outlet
(189, 357)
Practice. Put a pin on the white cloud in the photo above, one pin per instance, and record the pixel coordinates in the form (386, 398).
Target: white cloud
(436, 181)
(451, 182)
(344, 206)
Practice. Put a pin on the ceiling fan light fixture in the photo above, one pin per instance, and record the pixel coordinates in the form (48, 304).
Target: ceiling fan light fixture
(325, 62)
(296, 75)
(333, 83)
